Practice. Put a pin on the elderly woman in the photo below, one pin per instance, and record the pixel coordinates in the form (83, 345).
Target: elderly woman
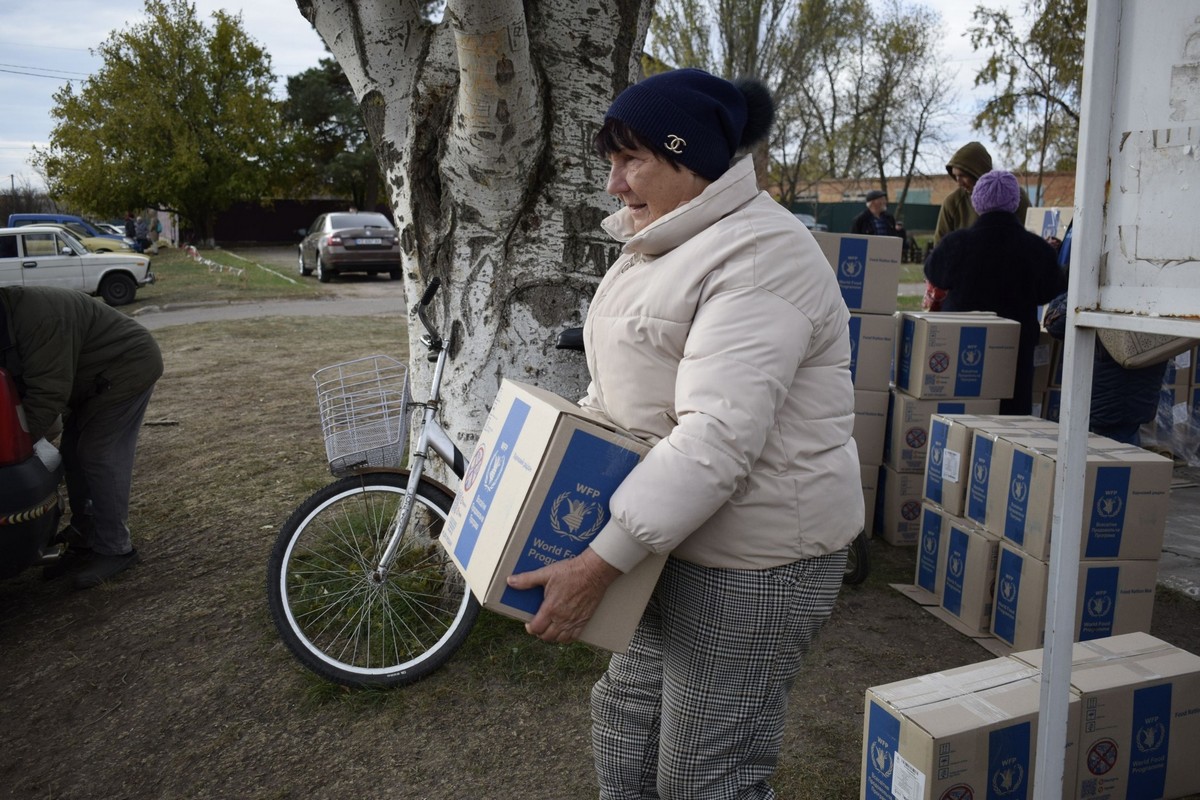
(721, 337)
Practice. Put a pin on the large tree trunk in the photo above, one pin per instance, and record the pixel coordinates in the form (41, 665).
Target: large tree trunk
(483, 126)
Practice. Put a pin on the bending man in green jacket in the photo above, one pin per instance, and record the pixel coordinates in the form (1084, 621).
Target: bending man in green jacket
(74, 356)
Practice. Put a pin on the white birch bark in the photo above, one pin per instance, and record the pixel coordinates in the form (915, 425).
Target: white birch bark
(483, 125)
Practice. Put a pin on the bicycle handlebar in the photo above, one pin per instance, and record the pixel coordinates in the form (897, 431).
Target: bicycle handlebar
(422, 304)
(430, 291)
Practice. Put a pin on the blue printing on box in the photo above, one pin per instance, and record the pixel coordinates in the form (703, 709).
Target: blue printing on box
(939, 430)
(852, 270)
(490, 480)
(908, 330)
(1149, 740)
(1009, 773)
(574, 511)
(977, 490)
(883, 741)
(855, 335)
(1017, 508)
(956, 566)
(1108, 512)
(972, 355)
(1100, 597)
(927, 552)
(1008, 592)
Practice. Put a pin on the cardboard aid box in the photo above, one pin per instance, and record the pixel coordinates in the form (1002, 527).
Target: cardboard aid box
(965, 733)
(898, 507)
(970, 578)
(948, 460)
(870, 424)
(872, 342)
(867, 267)
(1139, 724)
(1049, 220)
(970, 354)
(982, 487)
(536, 491)
(907, 439)
(1112, 597)
(1125, 497)
(931, 551)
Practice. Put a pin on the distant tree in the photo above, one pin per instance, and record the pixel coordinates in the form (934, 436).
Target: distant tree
(911, 90)
(1037, 75)
(329, 147)
(179, 116)
(843, 75)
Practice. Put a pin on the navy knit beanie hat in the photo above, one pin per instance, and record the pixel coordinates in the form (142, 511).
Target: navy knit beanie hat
(695, 118)
(996, 191)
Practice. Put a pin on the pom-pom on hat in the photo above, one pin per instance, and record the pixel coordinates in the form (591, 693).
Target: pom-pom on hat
(696, 119)
(996, 191)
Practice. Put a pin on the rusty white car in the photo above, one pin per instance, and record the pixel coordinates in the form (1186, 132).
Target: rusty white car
(44, 255)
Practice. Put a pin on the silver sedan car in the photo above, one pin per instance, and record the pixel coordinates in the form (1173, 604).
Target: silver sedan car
(350, 241)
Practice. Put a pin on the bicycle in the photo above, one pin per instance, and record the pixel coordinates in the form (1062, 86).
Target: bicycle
(359, 588)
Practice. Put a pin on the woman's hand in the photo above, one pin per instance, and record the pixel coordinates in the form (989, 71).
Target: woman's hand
(574, 587)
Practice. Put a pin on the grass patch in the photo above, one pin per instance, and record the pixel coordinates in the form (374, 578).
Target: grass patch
(226, 278)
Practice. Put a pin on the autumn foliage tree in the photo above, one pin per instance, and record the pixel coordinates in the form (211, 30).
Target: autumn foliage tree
(179, 116)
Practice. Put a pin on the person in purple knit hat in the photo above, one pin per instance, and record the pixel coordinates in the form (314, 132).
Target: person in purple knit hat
(996, 265)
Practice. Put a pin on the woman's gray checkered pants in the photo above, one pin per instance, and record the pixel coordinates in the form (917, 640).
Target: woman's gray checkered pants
(694, 710)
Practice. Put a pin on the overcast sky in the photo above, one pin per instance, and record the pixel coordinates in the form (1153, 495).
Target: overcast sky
(44, 44)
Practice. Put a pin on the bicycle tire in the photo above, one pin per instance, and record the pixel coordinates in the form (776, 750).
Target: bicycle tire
(339, 622)
(858, 561)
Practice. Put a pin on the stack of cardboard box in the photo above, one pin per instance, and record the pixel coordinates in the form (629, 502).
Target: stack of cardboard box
(868, 271)
(944, 364)
(985, 529)
(1132, 722)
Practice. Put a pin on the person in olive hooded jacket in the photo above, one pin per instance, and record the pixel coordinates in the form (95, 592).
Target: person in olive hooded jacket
(75, 357)
(968, 164)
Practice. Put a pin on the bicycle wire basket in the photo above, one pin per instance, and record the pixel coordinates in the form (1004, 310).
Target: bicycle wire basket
(364, 407)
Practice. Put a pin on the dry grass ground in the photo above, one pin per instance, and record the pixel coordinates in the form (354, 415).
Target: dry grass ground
(172, 682)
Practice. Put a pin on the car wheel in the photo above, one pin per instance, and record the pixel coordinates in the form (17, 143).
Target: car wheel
(303, 269)
(117, 289)
(323, 275)
(394, 274)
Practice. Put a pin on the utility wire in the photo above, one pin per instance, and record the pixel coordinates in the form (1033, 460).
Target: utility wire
(42, 75)
(46, 69)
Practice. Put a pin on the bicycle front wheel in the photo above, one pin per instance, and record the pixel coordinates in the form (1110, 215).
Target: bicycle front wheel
(332, 609)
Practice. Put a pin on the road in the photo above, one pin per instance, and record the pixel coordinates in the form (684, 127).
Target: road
(351, 295)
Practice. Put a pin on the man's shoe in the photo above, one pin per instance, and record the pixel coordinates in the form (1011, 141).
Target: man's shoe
(100, 568)
(72, 559)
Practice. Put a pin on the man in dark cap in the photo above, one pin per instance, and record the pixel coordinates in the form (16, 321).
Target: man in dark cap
(875, 221)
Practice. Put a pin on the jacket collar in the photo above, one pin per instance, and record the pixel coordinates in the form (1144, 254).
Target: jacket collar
(731, 191)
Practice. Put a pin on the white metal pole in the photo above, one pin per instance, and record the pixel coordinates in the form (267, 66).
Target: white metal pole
(1087, 246)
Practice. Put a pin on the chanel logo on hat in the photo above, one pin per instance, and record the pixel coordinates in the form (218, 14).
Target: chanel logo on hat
(675, 144)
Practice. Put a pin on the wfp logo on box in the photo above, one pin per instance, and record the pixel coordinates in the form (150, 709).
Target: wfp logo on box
(580, 516)
(1109, 504)
(881, 757)
(852, 265)
(971, 356)
(1007, 780)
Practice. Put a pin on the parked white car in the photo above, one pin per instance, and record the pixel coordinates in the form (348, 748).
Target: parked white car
(37, 255)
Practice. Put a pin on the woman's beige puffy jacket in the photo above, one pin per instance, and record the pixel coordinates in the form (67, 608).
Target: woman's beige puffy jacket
(720, 335)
